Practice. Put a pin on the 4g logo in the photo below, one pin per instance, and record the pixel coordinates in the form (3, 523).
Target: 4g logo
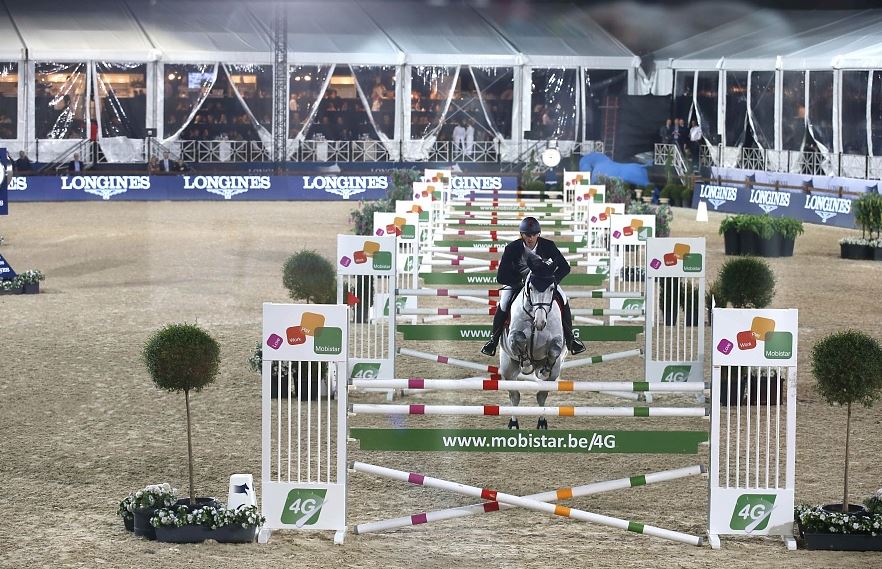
(303, 506)
(752, 512)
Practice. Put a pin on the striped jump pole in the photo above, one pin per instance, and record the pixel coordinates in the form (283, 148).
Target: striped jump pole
(494, 293)
(507, 205)
(481, 384)
(601, 358)
(527, 503)
(493, 370)
(500, 249)
(606, 311)
(526, 411)
(448, 311)
(506, 234)
(513, 222)
(551, 496)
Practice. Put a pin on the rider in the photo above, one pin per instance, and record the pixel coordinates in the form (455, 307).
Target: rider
(512, 272)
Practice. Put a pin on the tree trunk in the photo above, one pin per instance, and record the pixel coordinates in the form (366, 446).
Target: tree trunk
(190, 448)
(847, 437)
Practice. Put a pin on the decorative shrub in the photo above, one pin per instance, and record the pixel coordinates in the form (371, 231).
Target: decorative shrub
(183, 357)
(663, 216)
(362, 217)
(747, 282)
(617, 190)
(309, 276)
(848, 368)
(868, 214)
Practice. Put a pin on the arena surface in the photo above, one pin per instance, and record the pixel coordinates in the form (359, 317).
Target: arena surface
(82, 424)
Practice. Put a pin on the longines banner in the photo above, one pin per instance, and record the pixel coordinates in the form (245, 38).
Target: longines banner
(216, 187)
(817, 202)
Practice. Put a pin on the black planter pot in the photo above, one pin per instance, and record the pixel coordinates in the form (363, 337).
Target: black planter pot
(184, 534)
(747, 243)
(237, 534)
(11, 291)
(633, 274)
(31, 288)
(769, 247)
(129, 524)
(200, 502)
(364, 290)
(787, 246)
(731, 244)
(841, 542)
(141, 524)
(849, 251)
(668, 300)
(867, 253)
(853, 509)
(877, 254)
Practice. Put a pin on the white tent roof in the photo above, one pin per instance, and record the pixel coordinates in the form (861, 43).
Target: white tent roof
(188, 31)
(332, 31)
(558, 35)
(441, 34)
(766, 40)
(11, 48)
(75, 31)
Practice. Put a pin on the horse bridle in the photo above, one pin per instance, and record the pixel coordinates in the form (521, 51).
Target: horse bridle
(527, 304)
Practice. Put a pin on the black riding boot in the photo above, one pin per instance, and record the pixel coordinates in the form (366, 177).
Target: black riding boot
(573, 344)
(489, 348)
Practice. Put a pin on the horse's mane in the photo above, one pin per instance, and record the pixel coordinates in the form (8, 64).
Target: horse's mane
(541, 270)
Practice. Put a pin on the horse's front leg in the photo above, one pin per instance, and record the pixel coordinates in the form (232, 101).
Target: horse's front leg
(551, 358)
(540, 400)
(515, 398)
(517, 339)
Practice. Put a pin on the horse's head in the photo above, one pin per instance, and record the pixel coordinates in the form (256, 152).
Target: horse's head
(539, 288)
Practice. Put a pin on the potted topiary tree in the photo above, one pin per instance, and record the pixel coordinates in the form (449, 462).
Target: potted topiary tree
(745, 282)
(309, 276)
(789, 229)
(729, 231)
(183, 357)
(848, 368)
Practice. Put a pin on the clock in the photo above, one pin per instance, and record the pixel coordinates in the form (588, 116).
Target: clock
(551, 157)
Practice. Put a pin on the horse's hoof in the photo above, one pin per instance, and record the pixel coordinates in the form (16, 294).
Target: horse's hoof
(542, 424)
(527, 369)
(543, 374)
(513, 424)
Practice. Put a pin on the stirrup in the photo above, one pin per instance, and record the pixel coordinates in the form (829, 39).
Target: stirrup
(576, 346)
(489, 349)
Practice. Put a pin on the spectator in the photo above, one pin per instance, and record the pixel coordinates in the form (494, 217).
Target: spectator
(23, 164)
(153, 165)
(469, 138)
(76, 165)
(167, 165)
(665, 132)
(694, 142)
(459, 135)
(682, 134)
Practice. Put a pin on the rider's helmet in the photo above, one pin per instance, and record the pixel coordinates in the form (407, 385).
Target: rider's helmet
(530, 226)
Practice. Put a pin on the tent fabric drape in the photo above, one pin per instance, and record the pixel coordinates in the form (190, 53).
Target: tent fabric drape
(554, 104)
(854, 112)
(820, 109)
(60, 112)
(379, 96)
(793, 115)
(705, 101)
(200, 79)
(761, 111)
(736, 108)
(120, 121)
(494, 88)
(438, 83)
(265, 135)
(9, 116)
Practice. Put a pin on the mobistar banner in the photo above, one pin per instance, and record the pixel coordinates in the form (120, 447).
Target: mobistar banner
(817, 202)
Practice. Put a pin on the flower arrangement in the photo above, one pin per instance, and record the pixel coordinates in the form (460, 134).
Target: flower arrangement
(874, 502)
(152, 496)
(815, 519)
(21, 279)
(212, 517)
(124, 510)
(860, 241)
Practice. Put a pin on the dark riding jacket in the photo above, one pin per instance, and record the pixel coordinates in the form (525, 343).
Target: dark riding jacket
(513, 268)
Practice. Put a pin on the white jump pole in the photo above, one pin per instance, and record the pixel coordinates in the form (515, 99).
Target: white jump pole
(554, 495)
(530, 504)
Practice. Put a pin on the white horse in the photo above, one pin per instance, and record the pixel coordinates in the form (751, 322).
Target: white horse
(534, 343)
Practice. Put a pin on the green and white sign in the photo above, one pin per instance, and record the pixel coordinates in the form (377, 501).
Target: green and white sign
(304, 332)
(755, 337)
(288, 505)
